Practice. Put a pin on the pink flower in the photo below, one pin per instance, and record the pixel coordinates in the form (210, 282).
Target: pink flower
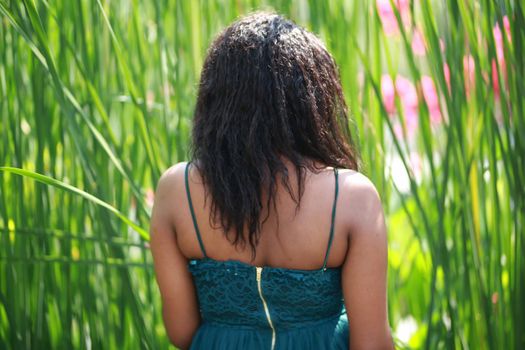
(407, 93)
(495, 78)
(506, 25)
(500, 54)
(411, 124)
(418, 43)
(469, 74)
(388, 93)
(498, 37)
(446, 73)
(388, 16)
(150, 197)
(431, 99)
(494, 298)
(411, 121)
(409, 100)
(441, 45)
(469, 67)
(498, 40)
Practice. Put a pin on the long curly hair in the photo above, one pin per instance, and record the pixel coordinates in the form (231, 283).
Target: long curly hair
(268, 89)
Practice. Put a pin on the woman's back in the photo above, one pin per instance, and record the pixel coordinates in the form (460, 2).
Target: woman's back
(289, 239)
(267, 306)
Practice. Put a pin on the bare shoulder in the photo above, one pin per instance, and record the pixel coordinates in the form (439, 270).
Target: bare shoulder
(169, 190)
(172, 176)
(172, 180)
(361, 202)
(359, 186)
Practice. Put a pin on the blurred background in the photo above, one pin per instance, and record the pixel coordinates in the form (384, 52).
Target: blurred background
(96, 101)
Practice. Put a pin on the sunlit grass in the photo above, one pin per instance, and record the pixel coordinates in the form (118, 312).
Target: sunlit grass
(96, 100)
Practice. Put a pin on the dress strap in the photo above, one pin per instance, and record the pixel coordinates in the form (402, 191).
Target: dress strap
(333, 219)
(192, 211)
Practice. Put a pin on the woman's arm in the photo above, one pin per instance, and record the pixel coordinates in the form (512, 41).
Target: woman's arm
(365, 268)
(180, 310)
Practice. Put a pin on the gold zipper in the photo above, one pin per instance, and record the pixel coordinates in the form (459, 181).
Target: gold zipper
(266, 310)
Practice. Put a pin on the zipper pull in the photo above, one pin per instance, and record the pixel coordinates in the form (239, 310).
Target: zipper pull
(258, 270)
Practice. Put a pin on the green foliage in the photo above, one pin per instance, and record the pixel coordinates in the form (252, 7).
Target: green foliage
(96, 99)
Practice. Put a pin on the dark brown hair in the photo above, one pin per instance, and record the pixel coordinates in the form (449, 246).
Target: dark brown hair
(269, 89)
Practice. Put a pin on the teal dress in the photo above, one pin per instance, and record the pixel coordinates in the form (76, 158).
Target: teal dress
(262, 307)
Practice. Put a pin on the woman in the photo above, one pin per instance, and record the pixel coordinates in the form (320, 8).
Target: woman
(248, 250)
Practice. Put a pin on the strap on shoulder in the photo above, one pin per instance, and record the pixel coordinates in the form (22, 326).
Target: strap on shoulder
(192, 211)
(333, 219)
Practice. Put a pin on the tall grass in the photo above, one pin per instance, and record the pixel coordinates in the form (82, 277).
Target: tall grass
(96, 100)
